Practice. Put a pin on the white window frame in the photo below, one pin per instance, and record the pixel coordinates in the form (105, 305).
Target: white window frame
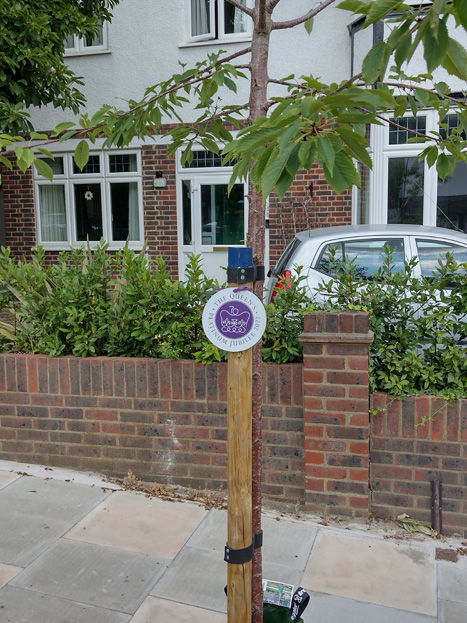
(197, 176)
(105, 179)
(217, 23)
(80, 48)
(381, 152)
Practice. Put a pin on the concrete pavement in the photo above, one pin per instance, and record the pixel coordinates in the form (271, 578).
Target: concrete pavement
(77, 549)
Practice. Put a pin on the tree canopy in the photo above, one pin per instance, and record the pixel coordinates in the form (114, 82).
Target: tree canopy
(32, 45)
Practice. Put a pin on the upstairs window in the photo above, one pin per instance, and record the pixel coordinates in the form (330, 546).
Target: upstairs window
(75, 45)
(218, 20)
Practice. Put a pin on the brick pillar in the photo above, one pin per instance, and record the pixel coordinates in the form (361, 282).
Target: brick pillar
(336, 412)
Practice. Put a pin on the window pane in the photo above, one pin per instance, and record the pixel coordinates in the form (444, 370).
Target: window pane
(95, 41)
(430, 251)
(123, 163)
(405, 191)
(205, 159)
(222, 215)
(331, 258)
(88, 208)
(93, 166)
(452, 199)
(400, 135)
(187, 229)
(200, 17)
(234, 19)
(56, 165)
(52, 213)
(125, 211)
(70, 42)
(452, 123)
(368, 256)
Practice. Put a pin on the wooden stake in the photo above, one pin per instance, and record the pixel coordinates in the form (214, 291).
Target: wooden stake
(239, 528)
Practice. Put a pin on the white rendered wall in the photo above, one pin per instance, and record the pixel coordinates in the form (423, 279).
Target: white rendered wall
(148, 38)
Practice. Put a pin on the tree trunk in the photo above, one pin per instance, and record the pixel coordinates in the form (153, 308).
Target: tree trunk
(256, 239)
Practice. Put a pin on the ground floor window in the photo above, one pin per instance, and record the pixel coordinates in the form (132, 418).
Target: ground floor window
(104, 200)
(402, 189)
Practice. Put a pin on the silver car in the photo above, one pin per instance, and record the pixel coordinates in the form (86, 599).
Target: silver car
(317, 251)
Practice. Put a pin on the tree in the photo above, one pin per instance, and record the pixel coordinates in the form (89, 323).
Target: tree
(32, 45)
(311, 123)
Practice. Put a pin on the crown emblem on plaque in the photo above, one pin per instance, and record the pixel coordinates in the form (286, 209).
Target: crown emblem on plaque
(234, 321)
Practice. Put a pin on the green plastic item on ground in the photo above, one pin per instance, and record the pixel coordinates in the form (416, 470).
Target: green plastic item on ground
(277, 614)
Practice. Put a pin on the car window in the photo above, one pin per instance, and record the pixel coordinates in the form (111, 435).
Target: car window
(367, 254)
(285, 257)
(430, 251)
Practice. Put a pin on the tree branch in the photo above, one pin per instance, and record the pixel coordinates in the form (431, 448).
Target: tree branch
(304, 18)
(241, 7)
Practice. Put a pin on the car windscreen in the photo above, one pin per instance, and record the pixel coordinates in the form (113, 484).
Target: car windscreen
(368, 255)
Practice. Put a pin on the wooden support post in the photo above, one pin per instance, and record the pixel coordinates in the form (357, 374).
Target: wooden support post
(239, 529)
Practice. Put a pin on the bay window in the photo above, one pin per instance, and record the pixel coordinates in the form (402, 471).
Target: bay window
(104, 200)
(401, 188)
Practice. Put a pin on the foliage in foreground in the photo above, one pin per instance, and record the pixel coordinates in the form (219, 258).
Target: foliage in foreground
(93, 303)
(420, 325)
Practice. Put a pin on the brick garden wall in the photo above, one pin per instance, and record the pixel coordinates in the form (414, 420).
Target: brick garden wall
(414, 441)
(166, 421)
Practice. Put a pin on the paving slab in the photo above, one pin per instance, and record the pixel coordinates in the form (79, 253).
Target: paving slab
(452, 581)
(156, 610)
(370, 569)
(64, 501)
(331, 609)
(285, 542)
(36, 512)
(24, 538)
(7, 477)
(25, 606)
(7, 573)
(94, 575)
(131, 521)
(196, 577)
(451, 612)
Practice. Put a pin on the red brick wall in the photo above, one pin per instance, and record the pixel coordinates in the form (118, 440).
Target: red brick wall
(20, 218)
(164, 420)
(299, 211)
(414, 441)
(336, 400)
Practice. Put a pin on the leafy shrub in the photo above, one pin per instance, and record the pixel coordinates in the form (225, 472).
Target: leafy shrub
(419, 325)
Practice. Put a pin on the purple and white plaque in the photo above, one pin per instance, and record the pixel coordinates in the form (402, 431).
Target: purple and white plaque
(234, 319)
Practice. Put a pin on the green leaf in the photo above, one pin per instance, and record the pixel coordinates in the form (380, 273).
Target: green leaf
(357, 145)
(276, 165)
(402, 49)
(455, 61)
(6, 162)
(436, 45)
(309, 25)
(326, 153)
(460, 11)
(374, 63)
(442, 166)
(44, 169)
(82, 154)
(380, 9)
(62, 127)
